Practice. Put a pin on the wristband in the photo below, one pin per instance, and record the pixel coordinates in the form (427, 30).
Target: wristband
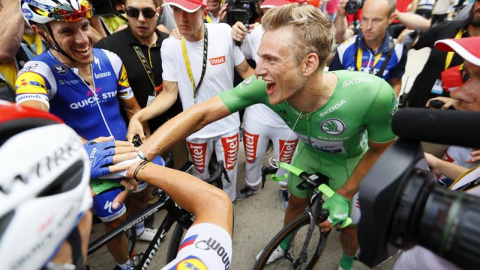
(139, 168)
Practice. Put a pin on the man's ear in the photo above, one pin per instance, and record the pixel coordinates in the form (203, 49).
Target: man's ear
(310, 64)
(40, 32)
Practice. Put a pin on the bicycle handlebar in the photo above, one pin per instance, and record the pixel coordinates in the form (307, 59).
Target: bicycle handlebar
(217, 175)
(311, 178)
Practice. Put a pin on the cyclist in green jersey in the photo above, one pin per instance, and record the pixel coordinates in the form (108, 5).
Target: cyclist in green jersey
(342, 118)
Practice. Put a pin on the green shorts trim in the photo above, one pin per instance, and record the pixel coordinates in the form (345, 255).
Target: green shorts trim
(102, 185)
(310, 160)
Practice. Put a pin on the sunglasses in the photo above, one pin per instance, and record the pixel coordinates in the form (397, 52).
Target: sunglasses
(147, 13)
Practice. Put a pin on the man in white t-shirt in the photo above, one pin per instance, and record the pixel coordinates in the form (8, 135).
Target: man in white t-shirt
(199, 66)
(465, 97)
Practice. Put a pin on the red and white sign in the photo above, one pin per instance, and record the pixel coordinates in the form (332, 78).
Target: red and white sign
(217, 60)
(198, 152)
(287, 149)
(250, 142)
(230, 151)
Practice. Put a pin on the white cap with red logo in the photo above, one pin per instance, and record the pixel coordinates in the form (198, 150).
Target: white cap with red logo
(466, 47)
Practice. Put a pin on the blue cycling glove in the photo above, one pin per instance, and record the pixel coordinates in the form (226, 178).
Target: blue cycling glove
(101, 156)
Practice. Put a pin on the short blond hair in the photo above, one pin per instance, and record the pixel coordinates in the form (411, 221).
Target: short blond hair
(313, 32)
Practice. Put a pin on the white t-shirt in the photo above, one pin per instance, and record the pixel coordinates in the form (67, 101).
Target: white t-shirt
(259, 112)
(222, 57)
(205, 246)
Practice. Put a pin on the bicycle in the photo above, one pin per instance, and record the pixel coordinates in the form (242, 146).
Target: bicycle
(174, 214)
(303, 237)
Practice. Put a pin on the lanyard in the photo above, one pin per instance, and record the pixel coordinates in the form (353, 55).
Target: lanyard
(208, 18)
(449, 57)
(146, 65)
(359, 60)
(189, 68)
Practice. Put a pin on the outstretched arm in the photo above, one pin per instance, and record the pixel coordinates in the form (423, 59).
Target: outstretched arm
(208, 203)
(184, 124)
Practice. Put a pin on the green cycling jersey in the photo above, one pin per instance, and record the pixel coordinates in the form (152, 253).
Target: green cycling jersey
(360, 104)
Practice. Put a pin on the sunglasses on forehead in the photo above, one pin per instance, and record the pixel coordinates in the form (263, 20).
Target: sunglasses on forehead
(135, 12)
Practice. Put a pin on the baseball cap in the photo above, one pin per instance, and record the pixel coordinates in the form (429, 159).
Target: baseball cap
(278, 3)
(189, 6)
(465, 47)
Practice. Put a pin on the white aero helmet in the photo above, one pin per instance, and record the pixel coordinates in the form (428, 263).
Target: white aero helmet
(44, 11)
(44, 186)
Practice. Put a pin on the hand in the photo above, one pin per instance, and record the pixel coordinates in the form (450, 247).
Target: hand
(338, 206)
(447, 102)
(135, 127)
(239, 31)
(223, 12)
(341, 8)
(122, 196)
(475, 157)
(175, 33)
(432, 162)
(105, 154)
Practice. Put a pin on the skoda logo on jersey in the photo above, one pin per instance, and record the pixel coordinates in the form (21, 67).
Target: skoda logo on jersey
(333, 126)
(60, 69)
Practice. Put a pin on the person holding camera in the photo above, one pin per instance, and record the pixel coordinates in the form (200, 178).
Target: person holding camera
(466, 97)
(373, 50)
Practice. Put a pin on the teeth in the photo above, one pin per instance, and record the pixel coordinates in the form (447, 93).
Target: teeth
(269, 82)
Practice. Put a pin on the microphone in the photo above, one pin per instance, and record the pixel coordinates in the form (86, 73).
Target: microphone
(448, 127)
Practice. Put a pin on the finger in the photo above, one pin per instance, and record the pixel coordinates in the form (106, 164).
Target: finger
(119, 167)
(103, 139)
(127, 184)
(125, 149)
(117, 158)
(123, 143)
(120, 198)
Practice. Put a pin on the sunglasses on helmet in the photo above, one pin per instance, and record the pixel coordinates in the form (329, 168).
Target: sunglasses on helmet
(148, 13)
(85, 11)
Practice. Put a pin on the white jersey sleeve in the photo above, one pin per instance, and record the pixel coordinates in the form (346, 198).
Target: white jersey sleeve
(205, 246)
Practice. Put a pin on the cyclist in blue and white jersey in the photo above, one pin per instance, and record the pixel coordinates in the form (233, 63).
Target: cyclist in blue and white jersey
(82, 86)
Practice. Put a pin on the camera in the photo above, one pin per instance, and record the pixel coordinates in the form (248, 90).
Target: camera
(240, 11)
(403, 205)
(352, 6)
(103, 7)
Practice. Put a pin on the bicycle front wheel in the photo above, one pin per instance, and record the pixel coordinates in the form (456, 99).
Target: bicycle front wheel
(295, 234)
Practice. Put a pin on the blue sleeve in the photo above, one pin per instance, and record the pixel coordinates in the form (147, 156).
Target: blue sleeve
(399, 69)
(336, 63)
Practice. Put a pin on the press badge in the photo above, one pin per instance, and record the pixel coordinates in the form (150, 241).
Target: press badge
(437, 87)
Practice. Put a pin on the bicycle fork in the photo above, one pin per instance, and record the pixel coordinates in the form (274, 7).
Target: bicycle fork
(317, 215)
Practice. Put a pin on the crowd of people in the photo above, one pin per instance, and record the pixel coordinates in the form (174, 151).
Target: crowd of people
(322, 87)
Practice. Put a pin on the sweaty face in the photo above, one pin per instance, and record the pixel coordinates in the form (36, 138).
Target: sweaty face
(189, 24)
(278, 65)
(375, 20)
(468, 95)
(75, 38)
(142, 27)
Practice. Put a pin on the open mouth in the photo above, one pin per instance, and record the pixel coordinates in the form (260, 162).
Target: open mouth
(83, 50)
(271, 87)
